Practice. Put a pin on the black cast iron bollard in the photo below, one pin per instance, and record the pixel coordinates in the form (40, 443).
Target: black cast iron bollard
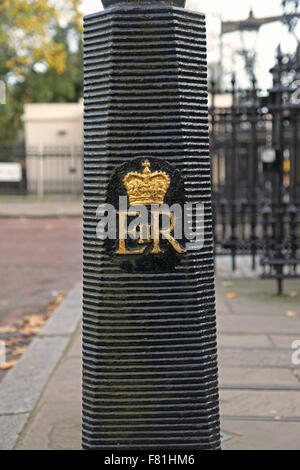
(150, 378)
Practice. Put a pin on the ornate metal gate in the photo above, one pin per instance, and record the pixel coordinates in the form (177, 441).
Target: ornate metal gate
(256, 172)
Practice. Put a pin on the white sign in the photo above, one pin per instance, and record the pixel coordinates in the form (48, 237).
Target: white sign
(10, 172)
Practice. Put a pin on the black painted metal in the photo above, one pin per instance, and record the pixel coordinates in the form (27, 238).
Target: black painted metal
(149, 338)
(109, 3)
(257, 203)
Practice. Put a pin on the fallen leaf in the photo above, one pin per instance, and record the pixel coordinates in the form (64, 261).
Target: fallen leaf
(28, 330)
(19, 350)
(63, 292)
(8, 364)
(7, 329)
(35, 320)
(227, 283)
(232, 295)
(291, 313)
(54, 303)
(294, 293)
(32, 324)
(11, 342)
(223, 268)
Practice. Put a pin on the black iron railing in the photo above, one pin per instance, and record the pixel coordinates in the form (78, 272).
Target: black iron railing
(256, 173)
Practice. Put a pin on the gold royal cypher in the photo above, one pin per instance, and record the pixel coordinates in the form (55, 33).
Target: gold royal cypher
(147, 189)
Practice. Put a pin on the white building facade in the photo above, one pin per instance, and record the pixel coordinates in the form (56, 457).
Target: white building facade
(54, 142)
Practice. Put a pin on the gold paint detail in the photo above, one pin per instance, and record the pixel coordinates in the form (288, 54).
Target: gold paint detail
(166, 233)
(122, 250)
(146, 188)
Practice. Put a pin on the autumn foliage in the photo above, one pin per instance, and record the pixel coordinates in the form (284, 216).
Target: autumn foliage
(38, 60)
(27, 31)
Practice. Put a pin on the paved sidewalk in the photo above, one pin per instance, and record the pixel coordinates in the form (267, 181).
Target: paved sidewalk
(260, 387)
(48, 206)
(24, 384)
(56, 421)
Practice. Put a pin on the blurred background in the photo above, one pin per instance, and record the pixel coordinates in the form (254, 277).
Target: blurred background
(254, 112)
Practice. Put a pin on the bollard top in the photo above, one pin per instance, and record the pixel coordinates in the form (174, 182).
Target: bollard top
(109, 3)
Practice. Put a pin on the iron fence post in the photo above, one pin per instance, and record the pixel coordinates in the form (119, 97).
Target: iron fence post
(253, 172)
(233, 174)
(278, 174)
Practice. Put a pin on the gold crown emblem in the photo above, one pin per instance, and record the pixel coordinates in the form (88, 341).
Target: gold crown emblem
(146, 188)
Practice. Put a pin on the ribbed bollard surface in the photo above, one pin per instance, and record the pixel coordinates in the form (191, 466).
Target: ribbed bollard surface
(149, 336)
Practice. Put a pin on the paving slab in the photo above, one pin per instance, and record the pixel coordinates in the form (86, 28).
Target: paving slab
(56, 422)
(260, 435)
(76, 346)
(21, 388)
(257, 297)
(284, 341)
(244, 341)
(256, 357)
(65, 384)
(55, 426)
(261, 403)
(11, 426)
(253, 377)
(253, 324)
